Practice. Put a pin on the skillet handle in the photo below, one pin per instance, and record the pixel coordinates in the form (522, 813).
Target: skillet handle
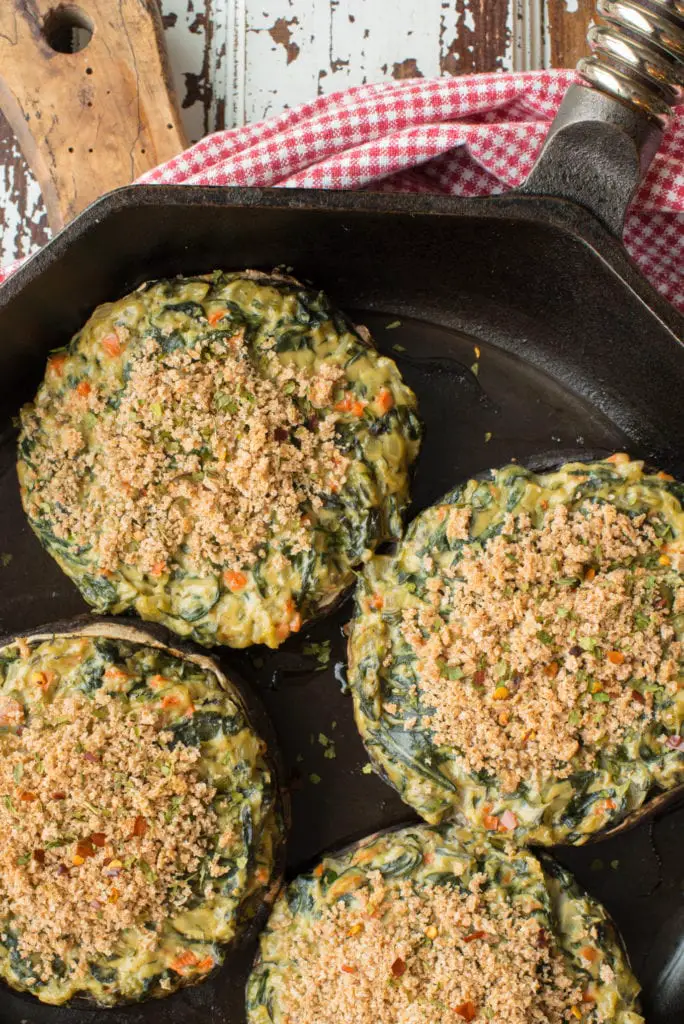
(609, 128)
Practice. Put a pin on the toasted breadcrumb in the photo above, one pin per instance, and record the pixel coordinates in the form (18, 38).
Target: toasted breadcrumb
(203, 455)
(544, 644)
(102, 823)
(408, 954)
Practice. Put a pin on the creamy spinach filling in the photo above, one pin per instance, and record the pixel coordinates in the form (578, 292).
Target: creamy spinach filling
(434, 925)
(139, 804)
(507, 668)
(217, 453)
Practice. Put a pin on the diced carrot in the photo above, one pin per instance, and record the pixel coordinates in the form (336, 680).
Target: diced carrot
(112, 674)
(350, 404)
(190, 710)
(473, 936)
(376, 601)
(157, 682)
(98, 839)
(664, 476)
(26, 797)
(617, 458)
(347, 969)
(158, 568)
(615, 657)
(490, 821)
(282, 631)
(609, 805)
(551, 670)
(216, 315)
(171, 700)
(113, 895)
(185, 959)
(590, 574)
(296, 622)
(56, 364)
(318, 871)
(385, 400)
(235, 581)
(111, 345)
(466, 1010)
(83, 388)
(205, 964)
(589, 953)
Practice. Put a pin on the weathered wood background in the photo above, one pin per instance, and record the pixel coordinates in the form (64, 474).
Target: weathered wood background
(236, 61)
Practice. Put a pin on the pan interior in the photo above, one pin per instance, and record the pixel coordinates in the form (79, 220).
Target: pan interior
(481, 406)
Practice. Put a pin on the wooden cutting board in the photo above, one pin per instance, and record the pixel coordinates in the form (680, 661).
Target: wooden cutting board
(92, 120)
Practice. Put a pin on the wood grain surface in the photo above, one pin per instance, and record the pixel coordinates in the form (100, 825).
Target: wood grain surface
(234, 61)
(88, 121)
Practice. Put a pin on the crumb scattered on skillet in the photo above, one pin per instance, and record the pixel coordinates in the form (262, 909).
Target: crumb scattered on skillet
(436, 927)
(217, 453)
(520, 659)
(137, 816)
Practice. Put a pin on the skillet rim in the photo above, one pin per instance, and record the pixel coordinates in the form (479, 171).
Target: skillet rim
(562, 215)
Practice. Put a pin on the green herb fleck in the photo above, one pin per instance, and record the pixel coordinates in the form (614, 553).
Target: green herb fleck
(5, 558)
(597, 864)
(488, 436)
(392, 325)
(367, 769)
(450, 671)
(321, 652)
(475, 369)
(314, 778)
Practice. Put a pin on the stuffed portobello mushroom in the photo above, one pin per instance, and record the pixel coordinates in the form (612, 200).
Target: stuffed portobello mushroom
(217, 454)
(435, 926)
(517, 662)
(139, 812)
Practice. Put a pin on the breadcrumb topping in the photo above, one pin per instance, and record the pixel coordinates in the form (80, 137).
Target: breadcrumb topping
(200, 458)
(103, 822)
(405, 953)
(545, 644)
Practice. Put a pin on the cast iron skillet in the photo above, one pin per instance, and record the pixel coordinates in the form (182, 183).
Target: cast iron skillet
(525, 331)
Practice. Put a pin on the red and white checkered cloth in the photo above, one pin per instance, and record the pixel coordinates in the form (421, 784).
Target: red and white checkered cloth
(468, 136)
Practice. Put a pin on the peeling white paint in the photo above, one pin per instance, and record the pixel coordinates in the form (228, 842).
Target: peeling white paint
(572, 6)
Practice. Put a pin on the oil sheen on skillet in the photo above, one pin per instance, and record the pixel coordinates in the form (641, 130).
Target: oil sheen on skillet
(141, 820)
(517, 663)
(436, 925)
(217, 454)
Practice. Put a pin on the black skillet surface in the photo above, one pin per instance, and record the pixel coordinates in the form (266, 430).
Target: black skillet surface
(481, 406)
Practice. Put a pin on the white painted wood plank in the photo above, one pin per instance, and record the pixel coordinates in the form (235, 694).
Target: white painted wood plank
(235, 61)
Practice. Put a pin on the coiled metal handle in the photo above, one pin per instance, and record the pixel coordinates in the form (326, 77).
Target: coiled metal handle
(638, 55)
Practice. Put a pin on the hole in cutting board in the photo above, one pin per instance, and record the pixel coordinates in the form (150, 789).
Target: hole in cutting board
(67, 29)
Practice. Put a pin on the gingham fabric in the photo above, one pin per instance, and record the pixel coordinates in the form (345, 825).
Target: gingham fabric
(467, 136)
